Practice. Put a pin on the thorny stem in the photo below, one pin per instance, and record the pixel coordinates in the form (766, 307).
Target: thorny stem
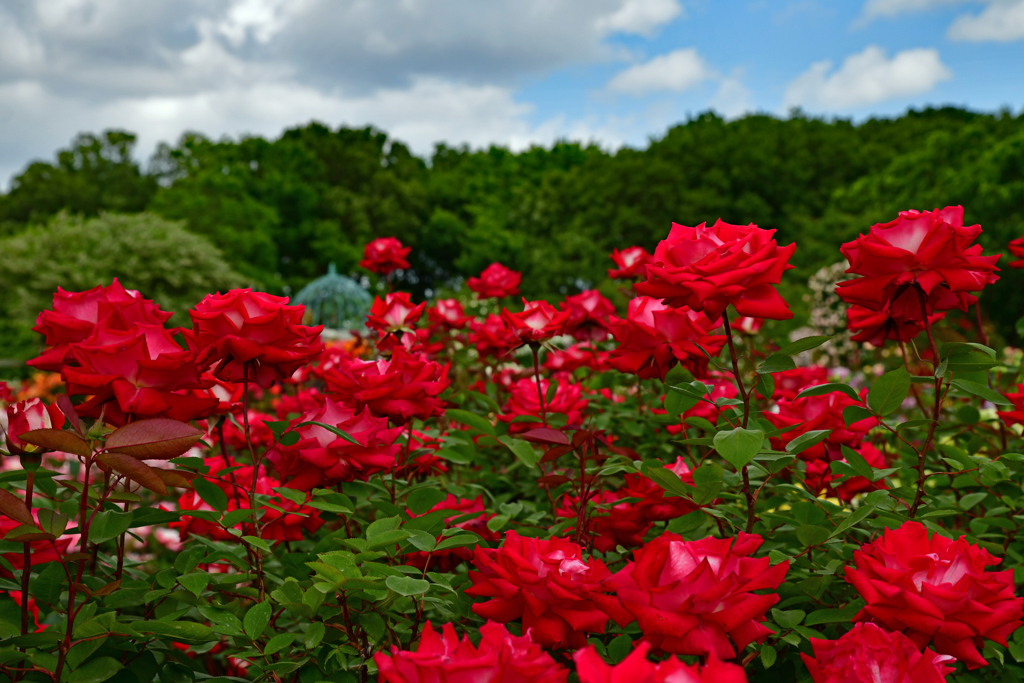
(26, 566)
(257, 555)
(939, 396)
(540, 392)
(747, 493)
(83, 524)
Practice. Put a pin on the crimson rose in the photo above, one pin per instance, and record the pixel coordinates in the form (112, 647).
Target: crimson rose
(537, 322)
(384, 255)
(496, 282)
(631, 262)
(588, 315)
(402, 388)
(635, 668)
(869, 653)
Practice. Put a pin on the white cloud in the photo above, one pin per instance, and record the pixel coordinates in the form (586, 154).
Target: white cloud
(733, 99)
(676, 71)
(892, 8)
(866, 78)
(640, 17)
(1002, 21)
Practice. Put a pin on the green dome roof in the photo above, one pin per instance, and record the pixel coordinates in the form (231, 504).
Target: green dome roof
(335, 301)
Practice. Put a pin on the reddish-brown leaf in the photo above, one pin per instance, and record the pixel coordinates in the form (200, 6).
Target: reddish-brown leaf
(57, 440)
(27, 533)
(178, 478)
(553, 479)
(545, 435)
(63, 402)
(556, 452)
(15, 508)
(134, 470)
(157, 439)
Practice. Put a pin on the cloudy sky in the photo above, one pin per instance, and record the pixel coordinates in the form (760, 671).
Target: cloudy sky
(512, 72)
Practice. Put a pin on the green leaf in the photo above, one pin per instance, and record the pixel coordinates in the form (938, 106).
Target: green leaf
(768, 656)
(833, 616)
(314, 634)
(422, 500)
(421, 540)
(458, 541)
(212, 494)
(765, 385)
(278, 643)
(108, 525)
(805, 344)
(856, 517)
(257, 543)
(822, 389)
(373, 624)
(473, 420)
(96, 670)
(853, 414)
(739, 446)
(183, 631)
(889, 390)
(256, 619)
(497, 523)
(777, 362)
(963, 357)
(195, 583)
(406, 585)
(678, 402)
(522, 450)
(806, 440)
(788, 618)
(972, 499)
(982, 391)
(810, 534)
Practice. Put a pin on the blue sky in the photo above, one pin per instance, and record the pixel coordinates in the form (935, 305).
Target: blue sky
(510, 72)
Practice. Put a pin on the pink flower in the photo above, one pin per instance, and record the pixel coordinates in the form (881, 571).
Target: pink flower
(588, 315)
(546, 583)
(654, 337)
(631, 262)
(321, 458)
(496, 282)
(635, 668)
(76, 315)
(537, 322)
(384, 255)
(449, 313)
(708, 269)
(251, 329)
(869, 653)
(921, 253)
(29, 415)
(696, 597)
(500, 658)
(936, 591)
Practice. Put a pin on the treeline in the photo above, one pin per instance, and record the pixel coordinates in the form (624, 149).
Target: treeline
(281, 210)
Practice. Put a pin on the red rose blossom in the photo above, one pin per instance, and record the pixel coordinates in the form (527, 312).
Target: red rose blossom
(251, 329)
(393, 313)
(746, 325)
(635, 668)
(789, 383)
(402, 388)
(582, 355)
(491, 337)
(654, 337)
(707, 269)
(610, 524)
(26, 416)
(442, 658)
(473, 518)
(812, 413)
(76, 315)
(875, 327)
(384, 255)
(448, 313)
(869, 653)
(321, 458)
(655, 505)
(537, 322)
(588, 315)
(631, 262)
(41, 552)
(722, 386)
(546, 583)
(936, 591)
(819, 475)
(1016, 248)
(496, 282)
(568, 400)
(1015, 416)
(694, 597)
(921, 253)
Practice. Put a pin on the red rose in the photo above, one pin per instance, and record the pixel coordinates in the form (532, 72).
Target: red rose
(819, 475)
(927, 253)
(568, 400)
(234, 436)
(76, 315)
(654, 337)
(1015, 416)
(875, 327)
(251, 329)
(393, 313)
(655, 506)
(449, 313)
(424, 461)
(588, 315)
(1017, 249)
(789, 383)
(471, 511)
(320, 458)
(694, 597)
(707, 269)
(384, 255)
(635, 668)
(136, 373)
(496, 282)
(537, 322)
(631, 262)
(610, 524)
(812, 413)
(28, 415)
(936, 591)
(546, 583)
(491, 337)
(869, 653)
(582, 355)
(747, 325)
(499, 658)
(402, 388)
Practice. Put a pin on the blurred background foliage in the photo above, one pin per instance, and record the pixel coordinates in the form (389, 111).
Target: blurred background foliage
(280, 211)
